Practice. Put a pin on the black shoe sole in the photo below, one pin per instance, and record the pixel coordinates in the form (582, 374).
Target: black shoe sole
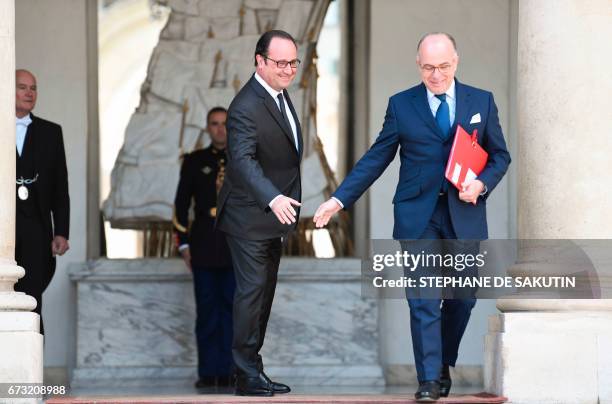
(445, 389)
(426, 400)
(255, 394)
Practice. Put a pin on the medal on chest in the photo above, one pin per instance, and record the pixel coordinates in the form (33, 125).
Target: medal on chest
(22, 192)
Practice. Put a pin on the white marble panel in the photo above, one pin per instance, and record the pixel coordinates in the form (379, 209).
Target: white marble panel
(249, 23)
(149, 184)
(135, 324)
(197, 29)
(122, 217)
(191, 137)
(185, 6)
(215, 8)
(321, 323)
(170, 74)
(183, 50)
(313, 185)
(151, 137)
(196, 115)
(235, 50)
(268, 4)
(175, 28)
(219, 97)
(297, 95)
(293, 17)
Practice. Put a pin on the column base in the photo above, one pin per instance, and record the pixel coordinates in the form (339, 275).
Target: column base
(21, 350)
(553, 357)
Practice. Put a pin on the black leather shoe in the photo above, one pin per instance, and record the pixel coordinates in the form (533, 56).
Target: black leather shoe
(225, 381)
(205, 382)
(428, 392)
(277, 388)
(253, 386)
(445, 381)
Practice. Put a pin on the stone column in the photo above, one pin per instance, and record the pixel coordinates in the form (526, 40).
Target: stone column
(20, 341)
(550, 350)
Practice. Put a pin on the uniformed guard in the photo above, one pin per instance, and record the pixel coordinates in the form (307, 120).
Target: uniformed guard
(206, 253)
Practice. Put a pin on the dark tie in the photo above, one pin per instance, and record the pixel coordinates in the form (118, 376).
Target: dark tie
(443, 115)
(443, 121)
(281, 103)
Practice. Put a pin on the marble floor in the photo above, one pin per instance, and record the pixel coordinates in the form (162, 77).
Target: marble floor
(300, 394)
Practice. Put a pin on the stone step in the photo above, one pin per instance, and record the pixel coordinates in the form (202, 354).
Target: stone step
(480, 398)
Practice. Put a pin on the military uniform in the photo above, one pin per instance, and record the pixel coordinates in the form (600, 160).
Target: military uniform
(213, 277)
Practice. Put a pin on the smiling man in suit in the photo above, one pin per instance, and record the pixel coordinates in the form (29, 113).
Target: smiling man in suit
(43, 204)
(421, 121)
(259, 201)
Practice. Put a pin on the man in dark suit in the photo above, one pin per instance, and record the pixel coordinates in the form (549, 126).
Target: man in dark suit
(206, 253)
(258, 204)
(43, 204)
(421, 121)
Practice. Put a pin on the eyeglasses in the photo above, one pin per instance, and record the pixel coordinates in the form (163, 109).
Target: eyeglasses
(444, 69)
(281, 64)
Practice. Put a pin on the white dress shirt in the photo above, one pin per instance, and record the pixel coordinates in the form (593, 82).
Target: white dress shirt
(274, 94)
(451, 100)
(21, 130)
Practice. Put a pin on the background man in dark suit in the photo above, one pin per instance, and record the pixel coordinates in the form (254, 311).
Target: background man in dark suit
(206, 253)
(422, 122)
(42, 193)
(258, 204)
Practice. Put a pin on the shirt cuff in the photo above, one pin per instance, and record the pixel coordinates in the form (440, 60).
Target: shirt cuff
(485, 190)
(275, 198)
(338, 201)
(183, 247)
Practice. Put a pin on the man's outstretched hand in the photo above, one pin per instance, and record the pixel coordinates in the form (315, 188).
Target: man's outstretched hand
(325, 212)
(283, 209)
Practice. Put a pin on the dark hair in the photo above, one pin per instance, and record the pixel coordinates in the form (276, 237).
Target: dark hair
(449, 36)
(264, 42)
(214, 110)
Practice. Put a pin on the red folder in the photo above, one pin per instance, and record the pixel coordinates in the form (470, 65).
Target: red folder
(467, 159)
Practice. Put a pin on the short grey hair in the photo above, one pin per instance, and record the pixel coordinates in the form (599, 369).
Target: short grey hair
(449, 36)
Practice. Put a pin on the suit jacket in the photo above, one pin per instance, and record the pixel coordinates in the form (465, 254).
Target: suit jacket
(52, 184)
(262, 163)
(410, 125)
(198, 182)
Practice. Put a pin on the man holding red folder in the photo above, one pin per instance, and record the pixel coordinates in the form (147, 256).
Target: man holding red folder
(422, 121)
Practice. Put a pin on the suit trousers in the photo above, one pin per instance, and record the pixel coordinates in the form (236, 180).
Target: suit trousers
(214, 296)
(255, 268)
(33, 253)
(437, 325)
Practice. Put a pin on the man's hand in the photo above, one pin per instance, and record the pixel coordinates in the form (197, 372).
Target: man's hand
(325, 212)
(186, 254)
(283, 209)
(471, 191)
(59, 245)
